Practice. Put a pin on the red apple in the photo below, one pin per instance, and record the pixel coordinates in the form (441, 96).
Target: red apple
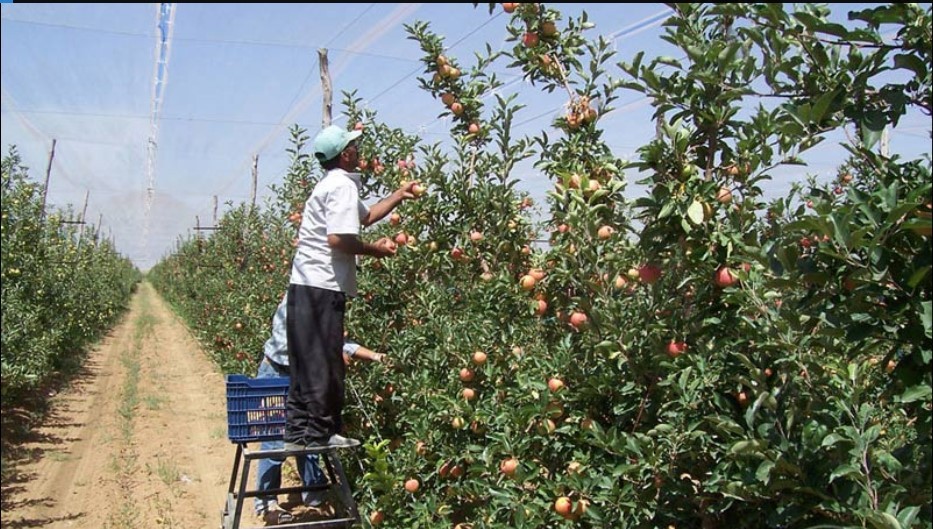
(723, 277)
(479, 358)
(649, 274)
(605, 232)
(675, 348)
(724, 195)
(508, 466)
(528, 282)
(578, 320)
(530, 39)
(540, 307)
(564, 507)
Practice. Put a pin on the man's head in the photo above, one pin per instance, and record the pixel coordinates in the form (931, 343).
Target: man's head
(336, 147)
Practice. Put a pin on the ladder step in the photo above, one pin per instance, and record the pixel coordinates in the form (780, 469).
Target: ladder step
(345, 512)
(333, 523)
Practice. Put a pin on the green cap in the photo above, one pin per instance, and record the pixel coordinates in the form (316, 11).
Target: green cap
(330, 142)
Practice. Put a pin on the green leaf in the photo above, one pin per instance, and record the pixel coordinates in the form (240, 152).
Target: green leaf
(915, 279)
(695, 212)
(907, 515)
(917, 224)
(605, 345)
(831, 439)
(669, 61)
(912, 63)
(726, 425)
(750, 446)
(915, 393)
(872, 125)
(888, 461)
(842, 471)
(728, 53)
(899, 211)
(927, 317)
(745, 361)
(883, 520)
(836, 30)
(840, 231)
(811, 22)
(660, 429)
(763, 474)
(821, 105)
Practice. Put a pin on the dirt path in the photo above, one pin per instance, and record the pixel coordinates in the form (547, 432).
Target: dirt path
(138, 442)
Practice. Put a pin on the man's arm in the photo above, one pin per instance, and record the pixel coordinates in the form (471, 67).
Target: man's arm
(355, 350)
(386, 205)
(368, 354)
(351, 244)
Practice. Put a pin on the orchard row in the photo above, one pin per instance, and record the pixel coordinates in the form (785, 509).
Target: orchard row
(695, 357)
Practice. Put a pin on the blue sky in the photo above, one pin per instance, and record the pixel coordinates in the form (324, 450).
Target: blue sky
(237, 76)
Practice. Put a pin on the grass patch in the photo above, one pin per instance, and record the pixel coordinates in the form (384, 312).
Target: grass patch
(164, 512)
(219, 432)
(154, 402)
(166, 470)
(58, 456)
(124, 465)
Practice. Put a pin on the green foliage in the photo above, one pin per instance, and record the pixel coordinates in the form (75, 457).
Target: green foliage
(741, 364)
(62, 287)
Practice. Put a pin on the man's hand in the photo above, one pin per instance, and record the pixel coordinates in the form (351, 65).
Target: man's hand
(408, 191)
(384, 247)
(411, 190)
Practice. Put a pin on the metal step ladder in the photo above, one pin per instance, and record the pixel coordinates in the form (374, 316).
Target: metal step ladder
(345, 511)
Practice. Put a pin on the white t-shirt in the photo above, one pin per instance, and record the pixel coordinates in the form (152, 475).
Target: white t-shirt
(334, 207)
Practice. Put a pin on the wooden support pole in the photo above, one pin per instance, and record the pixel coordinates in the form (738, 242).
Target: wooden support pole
(252, 195)
(48, 175)
(326, 88)
(886, 141)
(87, 194)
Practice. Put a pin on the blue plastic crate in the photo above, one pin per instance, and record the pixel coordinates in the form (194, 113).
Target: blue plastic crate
(255, 408)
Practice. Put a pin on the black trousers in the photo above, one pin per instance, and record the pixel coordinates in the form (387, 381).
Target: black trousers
(314, 325)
